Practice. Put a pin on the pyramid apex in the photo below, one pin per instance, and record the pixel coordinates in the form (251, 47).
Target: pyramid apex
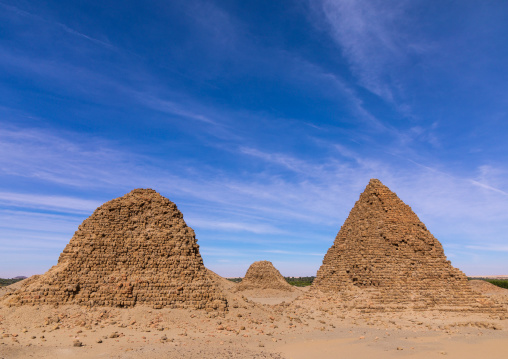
(375, 181)
(142, 191)
(375, 185)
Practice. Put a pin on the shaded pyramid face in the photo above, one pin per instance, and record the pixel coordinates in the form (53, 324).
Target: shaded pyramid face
(384, 248)
(136, 249)
(263, 275)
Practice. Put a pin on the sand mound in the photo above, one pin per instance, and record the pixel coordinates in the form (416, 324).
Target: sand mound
(485, 287)
(386, 251)
(136, 249)
(14, 287)
(222, 282)
(498, 294)
(263, 275)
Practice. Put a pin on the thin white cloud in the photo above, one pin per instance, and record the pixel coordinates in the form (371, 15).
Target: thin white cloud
(378, 39)
(42, 238)
(58, 24)
(490, 188)
(366, 32)
(257, 228)
(209, 251)
(320, 78)
(489, 248)
(485, 175)
(41, 155)
(110, 89)
(169, 107)
(289, 162)
(293, 253)
(55, 203)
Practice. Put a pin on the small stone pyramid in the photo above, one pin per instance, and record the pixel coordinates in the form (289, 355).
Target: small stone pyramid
(136, 249)
(263, 275)
(385, 250)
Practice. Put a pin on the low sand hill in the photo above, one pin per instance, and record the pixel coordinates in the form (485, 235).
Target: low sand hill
(485, 287)
(136, 249)
(384, 253)
(498, 294)
(15, 286)
(263, 275)
(222, 282)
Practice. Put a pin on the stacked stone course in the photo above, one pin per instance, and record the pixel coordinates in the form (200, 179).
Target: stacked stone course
(387, 252)
(263, 275)
(136, 249)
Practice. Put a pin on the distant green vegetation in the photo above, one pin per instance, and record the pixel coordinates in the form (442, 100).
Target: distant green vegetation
(236, 280)
(4, 282)
(300, 281)
(503, 283)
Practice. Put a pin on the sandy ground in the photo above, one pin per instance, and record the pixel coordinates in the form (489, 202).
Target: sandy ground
(403, 344)
(257, 325)
(11, 288)
(272, 297)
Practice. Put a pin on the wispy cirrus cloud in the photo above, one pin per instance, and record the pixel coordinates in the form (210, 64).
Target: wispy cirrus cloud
(172, 108)
(27, 223)
(369, 33)
(490, 248)
(293, 253)
(106, 89)
(225, 225)
(35, 17)
(42, 155)
(51, 202)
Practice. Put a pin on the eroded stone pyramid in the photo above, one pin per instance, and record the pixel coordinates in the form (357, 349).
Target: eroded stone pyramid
(136, 249)
(263, 275)
(384, 249)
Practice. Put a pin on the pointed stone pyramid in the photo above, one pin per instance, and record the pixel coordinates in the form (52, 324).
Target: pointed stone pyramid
(263, 275)
(136, 249)
(384, 249)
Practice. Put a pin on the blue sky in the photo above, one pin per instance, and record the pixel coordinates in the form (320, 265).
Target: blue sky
(263, 121)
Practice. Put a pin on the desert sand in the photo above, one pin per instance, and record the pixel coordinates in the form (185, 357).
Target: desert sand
(311, 325)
